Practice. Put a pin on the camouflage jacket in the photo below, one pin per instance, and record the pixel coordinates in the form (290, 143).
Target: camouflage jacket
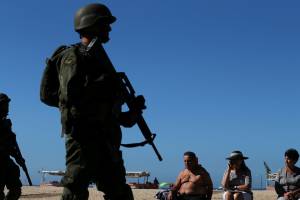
(87, 89)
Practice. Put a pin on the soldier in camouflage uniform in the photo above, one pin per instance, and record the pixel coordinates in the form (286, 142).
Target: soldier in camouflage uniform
(9, 171)
(90, 104)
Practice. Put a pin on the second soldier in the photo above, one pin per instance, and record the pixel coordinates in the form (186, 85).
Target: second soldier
(9, 171)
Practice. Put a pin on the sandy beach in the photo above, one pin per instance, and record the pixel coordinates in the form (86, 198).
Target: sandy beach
(53, 193)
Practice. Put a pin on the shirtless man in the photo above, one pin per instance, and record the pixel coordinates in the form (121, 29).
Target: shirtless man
(193, 183)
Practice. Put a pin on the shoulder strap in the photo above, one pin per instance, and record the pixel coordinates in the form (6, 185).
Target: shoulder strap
(59, 51)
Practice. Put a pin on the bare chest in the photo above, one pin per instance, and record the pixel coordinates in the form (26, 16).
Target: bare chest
(195, 177)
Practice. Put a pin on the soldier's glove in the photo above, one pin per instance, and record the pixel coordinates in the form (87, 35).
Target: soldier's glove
(138, 104)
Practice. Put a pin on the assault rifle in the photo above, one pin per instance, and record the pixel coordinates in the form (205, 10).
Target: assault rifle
(129, 97)
(20, 160)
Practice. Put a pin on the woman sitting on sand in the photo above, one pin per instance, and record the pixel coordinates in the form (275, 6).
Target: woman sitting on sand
(287, 185)
(237, 178)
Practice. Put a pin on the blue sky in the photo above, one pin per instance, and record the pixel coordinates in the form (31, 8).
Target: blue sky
(217, 76)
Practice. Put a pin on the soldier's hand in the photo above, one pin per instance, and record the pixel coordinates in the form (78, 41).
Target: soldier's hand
(138, 104)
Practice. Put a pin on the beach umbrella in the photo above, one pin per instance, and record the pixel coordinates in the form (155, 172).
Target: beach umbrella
(164, 185)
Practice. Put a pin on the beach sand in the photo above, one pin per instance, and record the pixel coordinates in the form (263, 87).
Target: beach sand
(53, 193)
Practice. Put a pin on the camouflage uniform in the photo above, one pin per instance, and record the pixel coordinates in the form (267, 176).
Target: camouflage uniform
(91, 117)
(90, 104)
(9, 171)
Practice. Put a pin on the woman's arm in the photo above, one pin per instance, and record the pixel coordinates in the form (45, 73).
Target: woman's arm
(247, 183)
(226, 178)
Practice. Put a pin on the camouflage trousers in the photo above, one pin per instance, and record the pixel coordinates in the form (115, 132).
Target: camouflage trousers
(89, 161)
(10, 177)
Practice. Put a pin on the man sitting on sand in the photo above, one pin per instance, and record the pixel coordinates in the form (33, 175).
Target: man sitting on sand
(193, 183)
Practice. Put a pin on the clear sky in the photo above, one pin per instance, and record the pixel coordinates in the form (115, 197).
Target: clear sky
(217, 76)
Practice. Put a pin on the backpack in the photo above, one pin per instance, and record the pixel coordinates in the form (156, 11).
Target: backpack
(49, 89)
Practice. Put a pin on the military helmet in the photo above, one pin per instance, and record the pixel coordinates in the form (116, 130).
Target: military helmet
(90, 14)
(4, 98)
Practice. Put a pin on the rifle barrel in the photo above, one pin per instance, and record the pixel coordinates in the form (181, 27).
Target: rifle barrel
(27, 174)
(147, 134)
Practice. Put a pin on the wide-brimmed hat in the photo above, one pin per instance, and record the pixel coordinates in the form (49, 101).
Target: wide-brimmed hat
(236, 155)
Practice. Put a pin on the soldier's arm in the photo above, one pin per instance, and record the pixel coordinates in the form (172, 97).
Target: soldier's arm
(11, 140)
(14, 150)
(128, 119)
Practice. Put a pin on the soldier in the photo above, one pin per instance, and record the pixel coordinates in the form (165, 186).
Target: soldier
(90, 103)
(9, 171)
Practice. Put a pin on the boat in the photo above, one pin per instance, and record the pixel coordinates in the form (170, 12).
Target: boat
(145, 184)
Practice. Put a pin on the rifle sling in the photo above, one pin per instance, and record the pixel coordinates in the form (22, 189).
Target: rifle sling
(139, 144)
